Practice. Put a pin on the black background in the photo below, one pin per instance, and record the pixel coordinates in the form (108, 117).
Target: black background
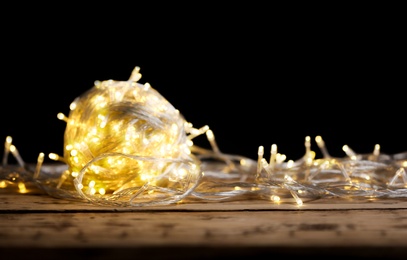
(257, 76)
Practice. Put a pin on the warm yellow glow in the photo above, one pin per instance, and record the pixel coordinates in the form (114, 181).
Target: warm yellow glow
(7, 144)
(123, 139)
(280, 158)
(210, 135)
(307, 144)
(9, 139)
(63, 178)
(62, 117)
(72, 106)
(40, 161)
(349, 152)
(123, 134)
(297, 199)
(16, 155)
(177, 175)
(290, 163)
(53, 156)
(211, 139)
(40, 158)
(260, 153)
(321, 144)
(273, 154)
(135, 74)
(22, 188)
(310, 157)
(376, 151)
(244, 162)
(275, 198)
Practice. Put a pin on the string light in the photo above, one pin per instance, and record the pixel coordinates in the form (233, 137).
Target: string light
(126, 145)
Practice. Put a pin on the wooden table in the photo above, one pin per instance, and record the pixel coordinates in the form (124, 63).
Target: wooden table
(37, 224)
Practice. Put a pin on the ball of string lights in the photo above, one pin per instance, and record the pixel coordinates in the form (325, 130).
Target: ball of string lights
(124, 139)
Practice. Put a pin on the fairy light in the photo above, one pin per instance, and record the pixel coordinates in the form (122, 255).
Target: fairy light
(273, 155)
(349, 152)
(308, 157)
(211, 138)
(260, 153)
(62, 179)
(290, 163)
(266, 167)
(321, 144)
(275, 198)
(7, 145)
(280, 158)
(62, 117)
(376, 151)
(40, 161)
(56, 157)
(17, 156)
(22, 188)
(309, 154)
(126, 145)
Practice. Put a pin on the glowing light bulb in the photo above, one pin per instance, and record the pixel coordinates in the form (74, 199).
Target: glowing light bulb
(349, 152)
(40, 160)
(321, 144)
(7, 145)
(260, 153)
(22, 188)
(16, 154)
(273, 154)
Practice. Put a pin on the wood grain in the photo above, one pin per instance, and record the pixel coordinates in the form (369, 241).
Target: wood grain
(39, 202)
(247, 228)
(55, 228)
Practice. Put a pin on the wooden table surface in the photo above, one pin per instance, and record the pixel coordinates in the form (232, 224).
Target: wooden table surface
(37, 224)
